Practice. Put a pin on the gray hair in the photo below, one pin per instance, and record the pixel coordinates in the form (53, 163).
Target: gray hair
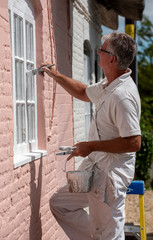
(123, 47)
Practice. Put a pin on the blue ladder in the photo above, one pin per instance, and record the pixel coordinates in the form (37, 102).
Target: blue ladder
(137, 187)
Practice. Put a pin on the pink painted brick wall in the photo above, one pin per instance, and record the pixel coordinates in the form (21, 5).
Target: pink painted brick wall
(25, 191)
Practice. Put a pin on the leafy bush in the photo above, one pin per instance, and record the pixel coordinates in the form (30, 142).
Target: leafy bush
(144, 157)
(145, 85)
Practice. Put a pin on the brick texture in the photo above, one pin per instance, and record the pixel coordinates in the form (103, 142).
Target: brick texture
(25, 191)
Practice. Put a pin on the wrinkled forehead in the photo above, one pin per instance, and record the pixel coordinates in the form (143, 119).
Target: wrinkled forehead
(104, 43)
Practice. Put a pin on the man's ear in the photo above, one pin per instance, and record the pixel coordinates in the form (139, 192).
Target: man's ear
(112, 58)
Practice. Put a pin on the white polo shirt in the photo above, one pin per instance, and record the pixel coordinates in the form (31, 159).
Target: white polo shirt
(118, 107)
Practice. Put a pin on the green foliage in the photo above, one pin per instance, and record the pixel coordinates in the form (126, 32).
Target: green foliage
(145, 84)
(147, 113)
(145, 155)
(145, 80)
(145, 42)
(145, 58)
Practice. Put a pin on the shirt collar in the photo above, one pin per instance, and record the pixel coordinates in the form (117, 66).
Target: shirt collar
(118, 80)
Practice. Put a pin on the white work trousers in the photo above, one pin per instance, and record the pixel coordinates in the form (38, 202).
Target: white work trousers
(106, 200)
(105, 220)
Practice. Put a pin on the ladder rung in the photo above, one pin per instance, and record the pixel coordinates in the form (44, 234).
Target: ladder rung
(134, 229)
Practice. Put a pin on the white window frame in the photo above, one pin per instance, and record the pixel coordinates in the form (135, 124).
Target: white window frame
(87, 72)
(25, 150)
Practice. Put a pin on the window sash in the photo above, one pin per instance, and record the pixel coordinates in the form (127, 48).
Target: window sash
(24, 86)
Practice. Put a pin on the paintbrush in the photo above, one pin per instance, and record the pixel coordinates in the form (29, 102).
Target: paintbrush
(35, 71)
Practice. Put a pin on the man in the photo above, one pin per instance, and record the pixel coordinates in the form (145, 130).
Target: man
(114, 138)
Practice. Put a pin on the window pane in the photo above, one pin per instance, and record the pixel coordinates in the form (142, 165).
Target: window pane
(23, 127)
(19, 80)
(29, 42)
(18, 36)
(30, 84)
(15, 34)
(21, 48)
(20, 123)
(31, 122)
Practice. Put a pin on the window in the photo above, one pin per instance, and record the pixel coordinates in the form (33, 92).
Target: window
(87, 74)
(97, 77)
(22, 28)
(98, 71)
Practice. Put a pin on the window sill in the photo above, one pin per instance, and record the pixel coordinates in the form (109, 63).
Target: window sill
(29, 157)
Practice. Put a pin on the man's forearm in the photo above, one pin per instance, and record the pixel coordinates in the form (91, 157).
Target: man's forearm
(73, 87)
(117, 145)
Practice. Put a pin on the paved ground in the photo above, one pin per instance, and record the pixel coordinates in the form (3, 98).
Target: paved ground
(132, 211)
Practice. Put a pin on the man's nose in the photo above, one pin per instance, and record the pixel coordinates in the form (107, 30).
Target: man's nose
(98, 52)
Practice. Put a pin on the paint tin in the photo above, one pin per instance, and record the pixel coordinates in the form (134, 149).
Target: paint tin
(79, 181)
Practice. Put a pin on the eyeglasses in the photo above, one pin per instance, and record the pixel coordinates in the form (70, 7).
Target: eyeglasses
(102, 50)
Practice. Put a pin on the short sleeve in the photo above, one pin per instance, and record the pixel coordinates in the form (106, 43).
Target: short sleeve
(127, 118)
(95, 91)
